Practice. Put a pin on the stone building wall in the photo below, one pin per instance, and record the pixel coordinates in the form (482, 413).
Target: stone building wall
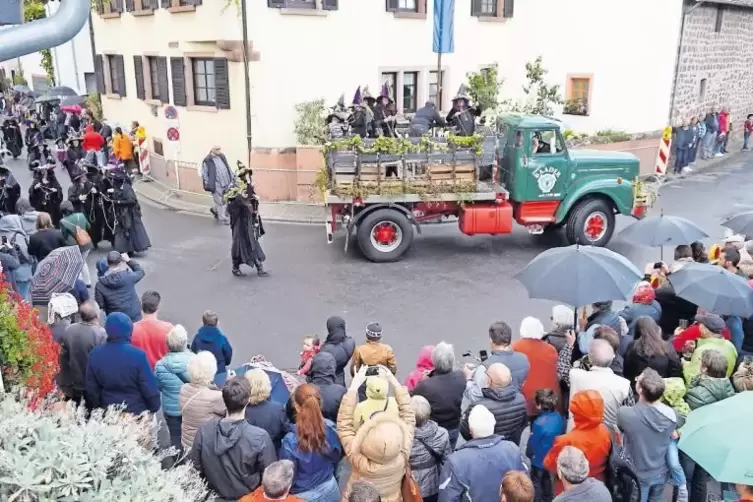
(716, 68)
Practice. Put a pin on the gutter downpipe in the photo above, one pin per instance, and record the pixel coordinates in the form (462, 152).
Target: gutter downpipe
(45, 33)
(685, 13)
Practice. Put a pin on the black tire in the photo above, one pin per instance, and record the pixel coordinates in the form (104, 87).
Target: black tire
(580, 214)
(396, 250)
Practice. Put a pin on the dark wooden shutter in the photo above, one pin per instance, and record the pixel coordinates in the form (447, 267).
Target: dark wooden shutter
(475, 7)
(100, 74)
(138, 73)
(100, 7)
(509, 9)
(129, 5)
(393, 5)
(222, 84)
(149, 4)
(178, 71)
(277, 4)
(329, 4)
(116, 5)
(121, 75)
(164, 90)
(165, 4)
(194, 2)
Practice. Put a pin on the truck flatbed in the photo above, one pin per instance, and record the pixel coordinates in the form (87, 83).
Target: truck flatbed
(485, 191)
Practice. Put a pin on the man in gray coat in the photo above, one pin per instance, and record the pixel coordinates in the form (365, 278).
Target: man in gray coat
(217, 178)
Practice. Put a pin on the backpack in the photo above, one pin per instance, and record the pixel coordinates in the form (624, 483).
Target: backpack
(621, 480)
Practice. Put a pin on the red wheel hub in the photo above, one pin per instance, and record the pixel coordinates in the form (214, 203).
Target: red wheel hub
(595, 226)
(385, 234)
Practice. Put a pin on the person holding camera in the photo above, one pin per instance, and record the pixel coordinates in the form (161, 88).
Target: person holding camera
(9, 261)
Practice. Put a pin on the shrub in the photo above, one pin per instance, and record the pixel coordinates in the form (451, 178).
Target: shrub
(48, 455)
(309, 125)
(28, 353)
(613, 135)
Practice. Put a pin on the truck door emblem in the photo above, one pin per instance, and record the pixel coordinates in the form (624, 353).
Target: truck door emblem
(546, 177)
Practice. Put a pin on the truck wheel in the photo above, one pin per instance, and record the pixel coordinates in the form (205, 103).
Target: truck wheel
(384, 235)
(590, 222)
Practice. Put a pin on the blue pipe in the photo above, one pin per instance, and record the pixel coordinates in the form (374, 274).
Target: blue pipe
(45, 33)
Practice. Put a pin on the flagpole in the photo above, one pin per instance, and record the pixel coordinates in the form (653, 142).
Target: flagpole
(439, 81)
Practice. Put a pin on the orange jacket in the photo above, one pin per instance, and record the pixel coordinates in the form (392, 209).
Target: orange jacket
(258, 496)
(543, 374)
(122, 147)
(590, 435)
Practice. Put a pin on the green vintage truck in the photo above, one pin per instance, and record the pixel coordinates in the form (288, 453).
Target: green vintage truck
(387, 187)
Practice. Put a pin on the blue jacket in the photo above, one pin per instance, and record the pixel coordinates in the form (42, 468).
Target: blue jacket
(119, 373)
(172, 372)
(312, 468)
(633, 311)
(211, 339)
(475, 471)
(544, 430)
(116, 291)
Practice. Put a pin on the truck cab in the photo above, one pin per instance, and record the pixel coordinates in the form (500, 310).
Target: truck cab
(551, 186)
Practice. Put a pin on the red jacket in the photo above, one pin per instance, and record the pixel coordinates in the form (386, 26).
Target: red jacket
(724, 122)
(150, 335)
(93, 141)
(691, 334)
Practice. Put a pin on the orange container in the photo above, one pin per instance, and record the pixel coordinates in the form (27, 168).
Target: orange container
(486, 219)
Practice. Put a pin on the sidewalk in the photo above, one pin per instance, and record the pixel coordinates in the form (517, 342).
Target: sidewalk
(199, 204)
(303, 212)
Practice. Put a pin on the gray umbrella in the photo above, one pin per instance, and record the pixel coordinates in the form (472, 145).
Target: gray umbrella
(21, 88)
(579, 275)
(740, 223)
(714, 289)
(656, 231)
(73, 100)
(62, 91)
(47, 98)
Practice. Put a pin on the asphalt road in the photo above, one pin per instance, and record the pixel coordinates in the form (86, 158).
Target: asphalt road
(450, 287)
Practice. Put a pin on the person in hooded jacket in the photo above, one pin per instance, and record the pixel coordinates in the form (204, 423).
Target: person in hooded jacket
(45, 192)
(210, 338)
(116, 289)
(589, 435)
(322, 375)
(230, 453)
(28, 216)
(603, 314)
(313, 446)
(262, 411)
(118, 373)
(380, 450)
(340, 345)
(172, 373)
(443, 388)
(431, 447)
(425, 119)
(643, 304)
(12, 228)
(377, 401)
(712, 384)
(424, 366)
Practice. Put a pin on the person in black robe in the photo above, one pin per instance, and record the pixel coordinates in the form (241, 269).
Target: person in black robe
(10, 190)
(384, 117)
(462, 116)
(45, 192)
(73, 155)
(85, 197)
(246, 226)
(129, 232)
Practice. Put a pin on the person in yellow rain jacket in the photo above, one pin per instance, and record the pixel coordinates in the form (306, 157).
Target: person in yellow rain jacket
(122, 148)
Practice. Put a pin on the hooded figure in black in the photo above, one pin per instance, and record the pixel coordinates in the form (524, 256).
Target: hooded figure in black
(384, 124)
(462, 116)
(340, 345)
(39, 154)
(85, 197)
(246, 226)
(45, 192)
(73, 155)
(32, 135)
(322, 375)
(130, 234)
(10, 190)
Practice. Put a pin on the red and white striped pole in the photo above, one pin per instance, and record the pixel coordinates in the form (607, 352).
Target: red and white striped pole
(665, 147)
(142, 150)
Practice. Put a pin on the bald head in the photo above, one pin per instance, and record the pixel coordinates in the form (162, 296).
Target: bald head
(498, 375)
(88, 311)
(601, 353)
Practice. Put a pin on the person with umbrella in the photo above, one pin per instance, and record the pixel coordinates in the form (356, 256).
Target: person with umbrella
(45, 193)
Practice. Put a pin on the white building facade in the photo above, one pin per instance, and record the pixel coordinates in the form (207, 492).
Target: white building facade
(617, 57)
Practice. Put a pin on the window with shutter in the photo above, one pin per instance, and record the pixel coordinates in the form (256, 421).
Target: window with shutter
(165, 4)
(509, 9)
(138, 73)
(393, 5)
(164, 93)
(117, 5)
(100, 7)
(100, 73)
(121, 76)
(277, 4)
(330, 4)
(178, 72)
(129, 5)
(222, 83)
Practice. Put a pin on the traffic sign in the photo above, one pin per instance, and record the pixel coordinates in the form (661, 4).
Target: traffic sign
(173, 134)
(171, 113)
(667, 133)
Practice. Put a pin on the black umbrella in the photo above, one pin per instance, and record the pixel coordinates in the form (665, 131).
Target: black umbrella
(73, 100)
(23, 89)
(741, 223)
(714, 289)
(47, 98)
(62, 91)
(660, 231)
(580, 275)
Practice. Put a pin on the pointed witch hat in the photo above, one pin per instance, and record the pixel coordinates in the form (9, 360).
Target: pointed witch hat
(357, 100)
(462, 93)
(366, 95)
(385, 92)
(341, 101)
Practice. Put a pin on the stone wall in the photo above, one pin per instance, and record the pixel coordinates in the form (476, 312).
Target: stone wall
(724, 60)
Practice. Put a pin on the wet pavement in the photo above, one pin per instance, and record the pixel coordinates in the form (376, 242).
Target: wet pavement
(450, 287)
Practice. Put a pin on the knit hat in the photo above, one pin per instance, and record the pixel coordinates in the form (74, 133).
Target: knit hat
(376, 387)
(374, 331)
(119, 327)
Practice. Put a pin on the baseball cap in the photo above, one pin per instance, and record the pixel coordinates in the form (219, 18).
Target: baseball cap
(713, 322)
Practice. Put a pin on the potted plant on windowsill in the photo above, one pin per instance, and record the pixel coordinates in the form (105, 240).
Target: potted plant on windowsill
(575, 107)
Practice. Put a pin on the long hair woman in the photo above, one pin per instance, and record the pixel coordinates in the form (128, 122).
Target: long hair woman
(313, 446)
(649, 350)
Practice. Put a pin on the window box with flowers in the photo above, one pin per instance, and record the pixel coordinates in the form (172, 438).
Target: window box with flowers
(575, 107)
